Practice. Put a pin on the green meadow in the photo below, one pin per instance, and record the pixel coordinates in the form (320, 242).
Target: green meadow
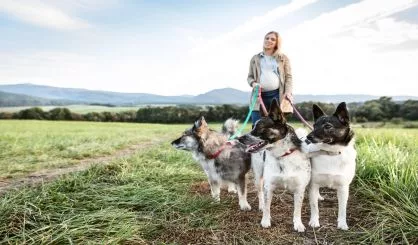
(76, 108)
(159, 195)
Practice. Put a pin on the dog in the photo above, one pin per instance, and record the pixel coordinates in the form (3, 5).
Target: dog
(333, 134)
(284, 165)
(222, 161)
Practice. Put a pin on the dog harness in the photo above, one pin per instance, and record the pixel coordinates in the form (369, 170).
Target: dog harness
(288, 152)
(218, 152)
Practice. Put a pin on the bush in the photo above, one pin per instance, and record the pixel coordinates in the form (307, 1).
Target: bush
(396, 120)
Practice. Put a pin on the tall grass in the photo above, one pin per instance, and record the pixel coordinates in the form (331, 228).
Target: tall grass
(130, 201)
(387, 178)
(146, 197)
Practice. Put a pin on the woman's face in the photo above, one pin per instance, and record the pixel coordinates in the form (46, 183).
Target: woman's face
(270, 41)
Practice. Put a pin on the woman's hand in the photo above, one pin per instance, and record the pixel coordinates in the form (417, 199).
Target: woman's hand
(289, 97)
(254, 84)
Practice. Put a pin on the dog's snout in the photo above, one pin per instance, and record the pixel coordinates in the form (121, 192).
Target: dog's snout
(175, 142)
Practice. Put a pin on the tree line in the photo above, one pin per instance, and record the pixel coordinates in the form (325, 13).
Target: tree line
(382, 109)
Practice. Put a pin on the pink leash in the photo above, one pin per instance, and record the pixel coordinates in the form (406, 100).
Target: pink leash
(299, 115)
(263, 107)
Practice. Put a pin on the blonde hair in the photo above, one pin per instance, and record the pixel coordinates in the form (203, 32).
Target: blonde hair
(278, 42)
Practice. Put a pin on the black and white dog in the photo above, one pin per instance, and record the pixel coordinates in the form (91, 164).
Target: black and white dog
(285, 165)
(332, 134)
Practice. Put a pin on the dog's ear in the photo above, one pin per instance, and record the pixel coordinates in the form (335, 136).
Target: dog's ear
(317, 112)
(342, 113)
(275, 112)
(199, 123)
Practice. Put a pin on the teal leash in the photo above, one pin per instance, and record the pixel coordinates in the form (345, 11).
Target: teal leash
(253, 101)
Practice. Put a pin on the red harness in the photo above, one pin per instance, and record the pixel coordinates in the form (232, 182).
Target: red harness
(288, 152)
(219, 151)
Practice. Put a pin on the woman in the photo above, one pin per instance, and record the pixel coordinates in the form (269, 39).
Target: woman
(270, 70)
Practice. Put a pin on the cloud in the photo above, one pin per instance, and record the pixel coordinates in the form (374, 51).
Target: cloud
(42, 14)
(254, 24)
(350, 17)
(336, 52)
(345, 51)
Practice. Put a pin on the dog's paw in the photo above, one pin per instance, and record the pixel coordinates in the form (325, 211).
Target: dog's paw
(342, 225)
(216, 198)
(265, 223)
(245, 206)
(299, 227)
(320, 198)
(314, 223)
(232, 189)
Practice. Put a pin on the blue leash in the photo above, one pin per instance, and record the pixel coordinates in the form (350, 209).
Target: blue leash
(253, 101)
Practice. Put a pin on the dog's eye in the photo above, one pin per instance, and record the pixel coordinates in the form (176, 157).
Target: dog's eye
(327, 126)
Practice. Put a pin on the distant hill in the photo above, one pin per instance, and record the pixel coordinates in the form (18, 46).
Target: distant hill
(92, 96)
(11, 99)
(48, 95)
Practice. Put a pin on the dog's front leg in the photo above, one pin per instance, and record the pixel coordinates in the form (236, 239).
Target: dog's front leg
(257, 165)
(268, 196)
(260, 192)
(215, 189)
(313, 201)
(242, 194)
(297, 220)
(342, 195)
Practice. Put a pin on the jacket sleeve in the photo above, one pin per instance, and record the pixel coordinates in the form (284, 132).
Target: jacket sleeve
(288, 82)
(251, 75)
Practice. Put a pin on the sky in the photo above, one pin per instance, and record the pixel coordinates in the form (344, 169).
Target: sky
(192, 47)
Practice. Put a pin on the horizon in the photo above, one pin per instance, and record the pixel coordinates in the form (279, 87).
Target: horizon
(193, 95)
(345, 47)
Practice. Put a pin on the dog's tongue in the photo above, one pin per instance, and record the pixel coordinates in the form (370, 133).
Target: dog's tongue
(254, 147)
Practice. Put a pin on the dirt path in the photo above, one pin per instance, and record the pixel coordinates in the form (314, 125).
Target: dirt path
(47, 175)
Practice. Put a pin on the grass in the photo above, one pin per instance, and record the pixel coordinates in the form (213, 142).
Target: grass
(387, 178)
(132, 200)
(159, 195)
(28, 146)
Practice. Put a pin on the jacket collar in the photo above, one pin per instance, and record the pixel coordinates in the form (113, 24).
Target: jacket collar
(280, 55)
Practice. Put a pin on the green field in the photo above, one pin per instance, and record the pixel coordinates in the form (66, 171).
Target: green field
(159, 195)
(28, 146)
(75, 108)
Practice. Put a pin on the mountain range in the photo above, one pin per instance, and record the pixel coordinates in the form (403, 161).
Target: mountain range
(35, 95)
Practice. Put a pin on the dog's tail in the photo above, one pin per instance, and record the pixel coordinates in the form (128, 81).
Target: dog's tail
(230, 127)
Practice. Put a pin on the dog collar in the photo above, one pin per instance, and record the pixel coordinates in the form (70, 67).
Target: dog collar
(288, 152)
(218, 152)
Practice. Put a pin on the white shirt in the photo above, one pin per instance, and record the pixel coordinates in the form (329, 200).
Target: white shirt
(269, 78)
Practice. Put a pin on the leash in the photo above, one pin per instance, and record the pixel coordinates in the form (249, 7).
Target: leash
(256, 94)
(263, 107)
(299, 115)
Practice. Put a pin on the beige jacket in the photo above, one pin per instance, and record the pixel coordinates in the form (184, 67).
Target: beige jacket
(285, 86)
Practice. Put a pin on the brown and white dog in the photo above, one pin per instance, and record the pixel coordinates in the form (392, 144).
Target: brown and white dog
(223, 161)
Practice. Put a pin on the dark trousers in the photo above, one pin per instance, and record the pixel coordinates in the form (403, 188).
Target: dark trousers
(267, 98)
